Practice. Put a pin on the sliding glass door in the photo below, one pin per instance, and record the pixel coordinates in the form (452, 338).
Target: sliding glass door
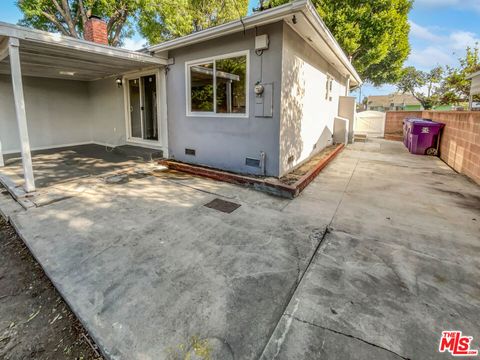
(143, 117)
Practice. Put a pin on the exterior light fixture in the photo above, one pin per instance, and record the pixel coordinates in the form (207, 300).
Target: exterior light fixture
(68, 73)
(119, 82)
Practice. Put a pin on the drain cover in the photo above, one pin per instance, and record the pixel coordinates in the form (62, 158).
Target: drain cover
(222, 205)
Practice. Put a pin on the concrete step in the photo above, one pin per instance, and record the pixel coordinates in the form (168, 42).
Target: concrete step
(360, 137)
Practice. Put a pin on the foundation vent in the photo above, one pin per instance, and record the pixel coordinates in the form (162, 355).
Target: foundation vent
(252, 162)
(190, 152)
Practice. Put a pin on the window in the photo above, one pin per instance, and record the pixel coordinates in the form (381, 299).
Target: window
(218, 85)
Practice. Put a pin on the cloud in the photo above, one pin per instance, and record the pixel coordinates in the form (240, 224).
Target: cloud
(134, 44)
(423, 33)
(432, 47)
(460, 4)
(429, 57)
(461, 39)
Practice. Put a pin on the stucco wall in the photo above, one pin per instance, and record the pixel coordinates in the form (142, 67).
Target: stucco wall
(107, 112)
(219, 141)
(63, 112)
(57, 113)
(307, 117)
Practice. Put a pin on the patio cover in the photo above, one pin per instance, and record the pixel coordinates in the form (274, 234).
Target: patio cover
(27, 52)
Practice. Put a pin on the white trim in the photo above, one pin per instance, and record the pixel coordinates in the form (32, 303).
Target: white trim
(283, 12)
(161, 114)
(17, 85)
(3, 48)
(475, 74)
(212, 60)
(257, 19)
(70, 43)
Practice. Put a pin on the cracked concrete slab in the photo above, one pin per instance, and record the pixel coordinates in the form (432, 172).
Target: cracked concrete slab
(148, 268)
(154, 274)
(399, 264)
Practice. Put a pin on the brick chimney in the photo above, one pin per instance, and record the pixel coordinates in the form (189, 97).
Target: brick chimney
(96, 30)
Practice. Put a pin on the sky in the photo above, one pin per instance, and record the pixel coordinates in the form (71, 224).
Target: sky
(440, 31)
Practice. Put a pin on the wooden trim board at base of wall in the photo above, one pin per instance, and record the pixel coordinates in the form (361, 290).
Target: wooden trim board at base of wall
(266, 185)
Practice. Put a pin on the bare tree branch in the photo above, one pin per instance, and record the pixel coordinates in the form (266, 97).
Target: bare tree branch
(57, 23)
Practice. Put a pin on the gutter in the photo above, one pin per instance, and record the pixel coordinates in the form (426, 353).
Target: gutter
(249, 22)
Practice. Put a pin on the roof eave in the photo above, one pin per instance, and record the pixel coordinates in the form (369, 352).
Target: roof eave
(475, 74)
(263, 18)
(22, 33)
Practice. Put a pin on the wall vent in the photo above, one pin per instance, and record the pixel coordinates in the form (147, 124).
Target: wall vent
(190, 152)
(252, 162)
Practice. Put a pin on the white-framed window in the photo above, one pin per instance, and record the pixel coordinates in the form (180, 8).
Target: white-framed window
(329, 88)
(218, 86)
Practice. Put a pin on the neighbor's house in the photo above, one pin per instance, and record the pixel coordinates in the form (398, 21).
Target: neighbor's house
(393, 102)
(258, 95)
(474, 90)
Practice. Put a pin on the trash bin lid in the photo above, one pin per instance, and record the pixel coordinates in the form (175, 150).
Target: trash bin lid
(430, 123)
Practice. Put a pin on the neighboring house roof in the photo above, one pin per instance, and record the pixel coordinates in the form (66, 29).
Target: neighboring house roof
(47, 54)
(307, 23)
(397, 99)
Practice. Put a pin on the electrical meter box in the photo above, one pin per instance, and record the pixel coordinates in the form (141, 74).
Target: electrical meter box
(264, 100)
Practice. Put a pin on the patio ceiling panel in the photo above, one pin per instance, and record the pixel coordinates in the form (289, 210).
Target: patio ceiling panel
(49, 55)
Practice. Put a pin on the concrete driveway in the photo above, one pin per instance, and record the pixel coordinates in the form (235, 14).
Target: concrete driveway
(376, 257)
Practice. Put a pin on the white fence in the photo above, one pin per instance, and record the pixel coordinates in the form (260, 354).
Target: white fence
(371, 123)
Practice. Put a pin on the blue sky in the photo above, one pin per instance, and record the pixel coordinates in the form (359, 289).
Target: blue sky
(440, 31)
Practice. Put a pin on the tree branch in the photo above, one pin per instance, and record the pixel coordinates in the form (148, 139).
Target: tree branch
(83, 14)
(118, 29)
(55, 21)
(68, 18)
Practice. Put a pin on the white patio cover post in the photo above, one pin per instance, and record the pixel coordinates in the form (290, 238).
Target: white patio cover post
(15, 68)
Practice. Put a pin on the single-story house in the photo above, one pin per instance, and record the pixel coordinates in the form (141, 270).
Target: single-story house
(474, 90)
(259, 95)
(393, 102)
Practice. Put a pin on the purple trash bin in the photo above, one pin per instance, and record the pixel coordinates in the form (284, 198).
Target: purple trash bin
(421, 136)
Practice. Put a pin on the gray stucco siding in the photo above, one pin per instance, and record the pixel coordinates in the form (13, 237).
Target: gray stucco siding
(63, 112)
(225, 142)
(57, 113)
(107, 112)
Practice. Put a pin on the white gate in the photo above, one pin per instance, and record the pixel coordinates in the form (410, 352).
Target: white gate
(371, 123)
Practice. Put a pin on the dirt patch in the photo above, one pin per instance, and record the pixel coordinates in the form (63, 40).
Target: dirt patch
(35, 323)
(295, 175)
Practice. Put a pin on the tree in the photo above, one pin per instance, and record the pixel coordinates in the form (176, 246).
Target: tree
(424, 86)
(163, 20)
(373, 33)
(456, 86)
(69, 16)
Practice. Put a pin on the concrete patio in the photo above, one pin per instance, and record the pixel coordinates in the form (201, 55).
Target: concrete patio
(372, 261)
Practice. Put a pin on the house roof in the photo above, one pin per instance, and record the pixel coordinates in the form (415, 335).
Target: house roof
(307, 23)
(45, 54)
(475, 74)
(396, 98)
